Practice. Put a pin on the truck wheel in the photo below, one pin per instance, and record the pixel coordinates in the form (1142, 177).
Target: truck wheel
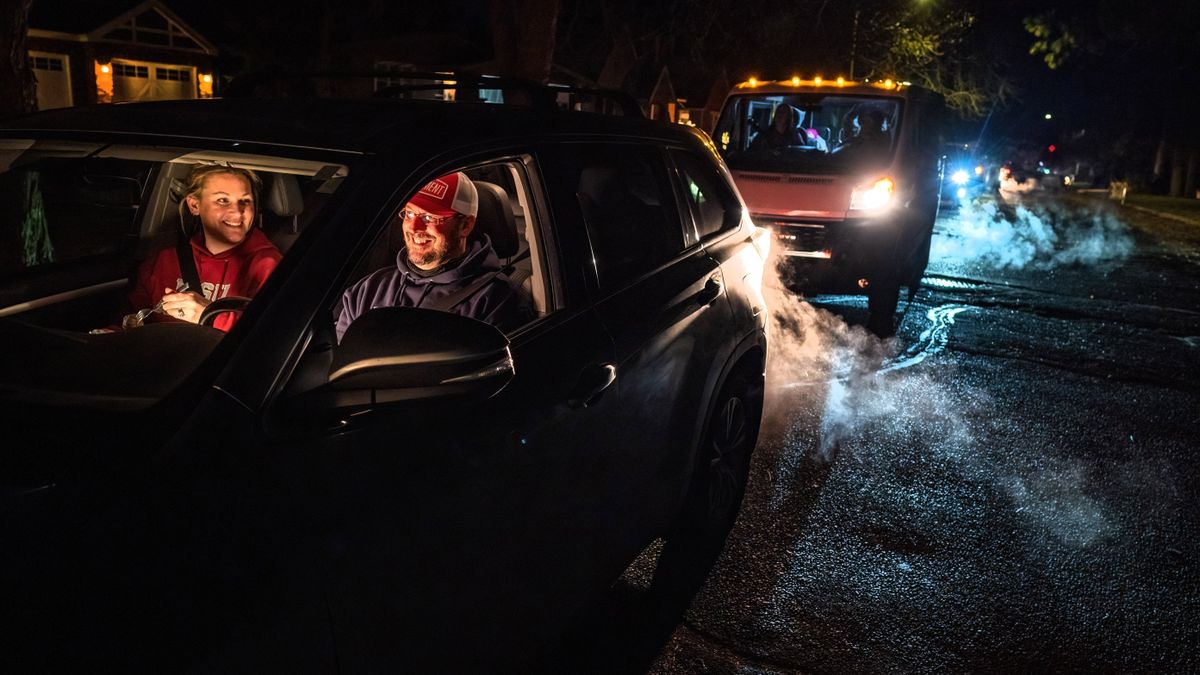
(882, 297)
(919, 261)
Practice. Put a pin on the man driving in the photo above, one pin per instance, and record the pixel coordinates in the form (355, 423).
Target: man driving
(439, 260)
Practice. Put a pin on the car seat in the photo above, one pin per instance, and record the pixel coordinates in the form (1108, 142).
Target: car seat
(283, 202)
(495, 219)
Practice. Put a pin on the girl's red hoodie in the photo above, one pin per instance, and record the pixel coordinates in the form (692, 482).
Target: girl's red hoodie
(241, 270)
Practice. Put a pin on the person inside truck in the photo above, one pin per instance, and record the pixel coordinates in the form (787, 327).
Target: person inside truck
(868, 137)
(782, 133)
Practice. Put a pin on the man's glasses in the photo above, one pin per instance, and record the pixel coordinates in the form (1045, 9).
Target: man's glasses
(427, 218)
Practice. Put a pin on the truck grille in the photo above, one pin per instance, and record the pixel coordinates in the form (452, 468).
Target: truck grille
(789, 179)
(807, 240)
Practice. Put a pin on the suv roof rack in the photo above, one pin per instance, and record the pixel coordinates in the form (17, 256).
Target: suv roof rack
(467, 86)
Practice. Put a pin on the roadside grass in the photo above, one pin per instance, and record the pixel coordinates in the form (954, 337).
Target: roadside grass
(1186, 208)
(1179, 227)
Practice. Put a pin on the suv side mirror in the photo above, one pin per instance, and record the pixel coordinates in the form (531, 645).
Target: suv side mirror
(406, 353)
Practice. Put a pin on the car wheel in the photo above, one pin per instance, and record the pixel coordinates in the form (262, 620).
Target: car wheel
(718, 484)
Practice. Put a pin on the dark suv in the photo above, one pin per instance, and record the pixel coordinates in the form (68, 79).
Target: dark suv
(430, 491)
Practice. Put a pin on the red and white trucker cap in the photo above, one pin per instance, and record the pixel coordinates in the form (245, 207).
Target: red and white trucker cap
(449, 195)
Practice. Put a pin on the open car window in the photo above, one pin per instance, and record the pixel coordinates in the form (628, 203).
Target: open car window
(506, 220)
(82, 222)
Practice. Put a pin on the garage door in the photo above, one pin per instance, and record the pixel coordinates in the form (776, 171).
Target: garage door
(53, 79)
(145, 81)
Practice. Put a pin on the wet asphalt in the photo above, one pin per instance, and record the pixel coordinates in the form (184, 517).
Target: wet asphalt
(1010, 485)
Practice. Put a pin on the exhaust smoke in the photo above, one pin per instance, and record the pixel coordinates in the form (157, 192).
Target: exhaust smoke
(840, 399)
(1035, 235)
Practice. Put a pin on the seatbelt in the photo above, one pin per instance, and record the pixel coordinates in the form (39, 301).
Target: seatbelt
(448, 302)
(187, 264)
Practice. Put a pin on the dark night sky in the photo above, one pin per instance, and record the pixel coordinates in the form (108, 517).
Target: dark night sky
(1100, 91)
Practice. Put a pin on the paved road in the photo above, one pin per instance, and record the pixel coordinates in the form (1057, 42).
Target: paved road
(1012, 485)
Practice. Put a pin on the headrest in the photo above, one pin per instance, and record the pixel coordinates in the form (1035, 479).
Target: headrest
(281, 194)
(495, 219)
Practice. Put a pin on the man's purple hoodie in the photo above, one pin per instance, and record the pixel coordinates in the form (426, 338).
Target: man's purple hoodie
(498, 302)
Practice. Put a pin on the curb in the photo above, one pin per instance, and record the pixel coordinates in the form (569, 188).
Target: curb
(1163, 214)
(1160, 214)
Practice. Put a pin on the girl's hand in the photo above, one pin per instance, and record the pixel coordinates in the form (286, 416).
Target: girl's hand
(184, 306)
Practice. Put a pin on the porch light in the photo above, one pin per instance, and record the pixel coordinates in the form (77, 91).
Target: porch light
(104, 83)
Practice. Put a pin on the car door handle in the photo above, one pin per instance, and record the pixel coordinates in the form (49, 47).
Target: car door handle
(593, 380)
(711, 291)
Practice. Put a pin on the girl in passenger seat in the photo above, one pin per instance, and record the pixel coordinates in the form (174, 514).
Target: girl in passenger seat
(231, 256)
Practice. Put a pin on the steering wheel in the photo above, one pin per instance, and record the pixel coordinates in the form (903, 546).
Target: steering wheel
(233, 303)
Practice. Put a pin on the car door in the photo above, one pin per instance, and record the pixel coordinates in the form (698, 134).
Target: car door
(462, 533)
(661, 296)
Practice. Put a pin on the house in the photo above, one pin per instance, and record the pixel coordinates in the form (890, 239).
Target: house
(109, 51)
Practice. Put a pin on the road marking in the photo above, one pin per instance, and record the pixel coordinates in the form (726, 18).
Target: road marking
(932, 340)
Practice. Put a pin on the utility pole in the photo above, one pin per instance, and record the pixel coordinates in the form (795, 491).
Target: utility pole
(853, 43)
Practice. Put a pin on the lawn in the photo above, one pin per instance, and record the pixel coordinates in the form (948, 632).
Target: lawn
(1182, 230)
(1186, 208)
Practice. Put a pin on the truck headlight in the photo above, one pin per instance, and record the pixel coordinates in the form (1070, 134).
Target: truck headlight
(873, 196)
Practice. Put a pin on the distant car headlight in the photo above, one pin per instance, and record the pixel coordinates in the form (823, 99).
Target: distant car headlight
(959, 177)
(873, 196)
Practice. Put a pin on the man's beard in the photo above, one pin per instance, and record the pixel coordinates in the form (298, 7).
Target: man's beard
(439, 253)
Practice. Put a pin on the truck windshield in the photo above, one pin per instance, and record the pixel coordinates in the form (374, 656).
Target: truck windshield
(807, 133)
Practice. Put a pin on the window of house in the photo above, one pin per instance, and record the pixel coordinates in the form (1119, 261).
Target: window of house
(46, 63)
(173, 74)
(129, 70)
(388, 81)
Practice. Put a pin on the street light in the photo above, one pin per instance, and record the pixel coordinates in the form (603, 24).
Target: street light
(1049, 116)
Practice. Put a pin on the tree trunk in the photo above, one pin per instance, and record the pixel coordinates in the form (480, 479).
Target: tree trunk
(1160, 157)
(1177, 170)
(1193, 173)
(523, 37)
(18, 92)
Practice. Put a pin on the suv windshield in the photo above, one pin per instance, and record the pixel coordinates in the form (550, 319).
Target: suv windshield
(807, 133)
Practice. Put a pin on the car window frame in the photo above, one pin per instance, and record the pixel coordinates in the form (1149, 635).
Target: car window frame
(727, 196)
(655, 148)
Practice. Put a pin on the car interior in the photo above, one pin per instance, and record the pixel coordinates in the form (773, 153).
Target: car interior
(94, 213)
